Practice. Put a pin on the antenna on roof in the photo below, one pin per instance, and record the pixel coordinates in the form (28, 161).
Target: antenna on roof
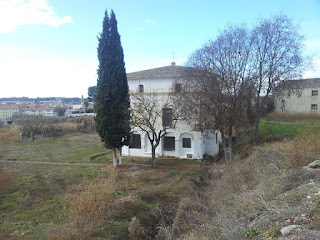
(173, 63)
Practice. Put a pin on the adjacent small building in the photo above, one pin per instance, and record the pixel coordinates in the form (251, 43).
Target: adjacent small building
(305, 101)
(182, 141)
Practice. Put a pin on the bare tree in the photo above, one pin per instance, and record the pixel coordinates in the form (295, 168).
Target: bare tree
(218, 96)
(32, 125)
(277, 56)
(148, 114)
(240, 70)
(60, 110)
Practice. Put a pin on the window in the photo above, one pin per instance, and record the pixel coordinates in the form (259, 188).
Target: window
(186, 142)
(314, 107)
(169, 144)
(141, 88)
(177, 88)
(135, 141)
(167, 117)
(314, 92)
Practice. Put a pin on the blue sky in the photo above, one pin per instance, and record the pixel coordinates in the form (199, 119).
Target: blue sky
(48, 47)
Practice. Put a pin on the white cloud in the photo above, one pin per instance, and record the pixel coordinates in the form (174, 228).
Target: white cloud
(15, 13)
(149, 21)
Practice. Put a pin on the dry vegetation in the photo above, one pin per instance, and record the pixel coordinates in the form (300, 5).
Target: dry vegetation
(250, 195)
(123, 204)
(292, 117)
(46, 127)
(180, 199)
(10, 134)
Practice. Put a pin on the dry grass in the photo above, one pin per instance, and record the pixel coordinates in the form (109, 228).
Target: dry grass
(248, 192)
(136, 231)
(7, 181)
(88, 205)
(292, 117)
(10, 134)
(121, 206)
(49, 128)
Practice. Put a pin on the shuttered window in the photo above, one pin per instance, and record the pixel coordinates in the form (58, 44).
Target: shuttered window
(186, 142)
(169, 143)
(135, 141)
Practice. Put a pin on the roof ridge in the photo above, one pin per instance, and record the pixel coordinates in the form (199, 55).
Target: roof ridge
(162, 72)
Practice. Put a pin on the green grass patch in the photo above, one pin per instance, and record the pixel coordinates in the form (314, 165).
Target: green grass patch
(10, 201)
(284, 129)
(149, 206)
(173, 173)
(68, 148)
(25, 222)
(8, 205)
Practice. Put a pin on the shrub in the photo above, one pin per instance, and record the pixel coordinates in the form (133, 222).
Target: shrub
(136, 231)
(251, 232)
(10, 134)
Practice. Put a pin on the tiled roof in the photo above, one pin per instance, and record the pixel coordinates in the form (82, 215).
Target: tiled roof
(172, 71)
(305, 83)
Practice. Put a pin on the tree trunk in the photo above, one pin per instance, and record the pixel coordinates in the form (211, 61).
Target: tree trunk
(153, 160)
(120, 155)
(114, 157)
(230, 147)
(257, 127)
(225, 150)
(32, 136)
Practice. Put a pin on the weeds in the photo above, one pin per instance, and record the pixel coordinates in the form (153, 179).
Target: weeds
(251, 232)
(273, 231)
(249, 193)
(10, 134)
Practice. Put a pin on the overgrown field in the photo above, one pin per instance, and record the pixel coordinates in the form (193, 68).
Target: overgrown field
(53, 188)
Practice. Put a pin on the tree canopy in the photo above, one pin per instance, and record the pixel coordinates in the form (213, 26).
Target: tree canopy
(112, 94)
(241, 68)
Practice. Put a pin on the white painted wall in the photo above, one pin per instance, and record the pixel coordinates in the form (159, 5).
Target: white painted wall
(302, 104)
(201, 143)
(151, 85)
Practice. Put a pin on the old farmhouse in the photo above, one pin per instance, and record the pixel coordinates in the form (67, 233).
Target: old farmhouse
(182, 140)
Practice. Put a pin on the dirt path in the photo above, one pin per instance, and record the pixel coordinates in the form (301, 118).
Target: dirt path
(55, 163)
(68, 164)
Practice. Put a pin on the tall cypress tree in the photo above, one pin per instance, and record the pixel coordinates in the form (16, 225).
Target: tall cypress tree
(112, 96)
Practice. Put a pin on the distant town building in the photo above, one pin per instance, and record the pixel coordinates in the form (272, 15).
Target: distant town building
(6, 112)
(45, 112)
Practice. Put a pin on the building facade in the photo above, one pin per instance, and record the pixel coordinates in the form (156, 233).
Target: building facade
(6, 113)
(306, 101)
(182, 140)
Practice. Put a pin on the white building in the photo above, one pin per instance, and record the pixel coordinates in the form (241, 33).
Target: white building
(181, 141)
(307, 101)
(46, 112)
